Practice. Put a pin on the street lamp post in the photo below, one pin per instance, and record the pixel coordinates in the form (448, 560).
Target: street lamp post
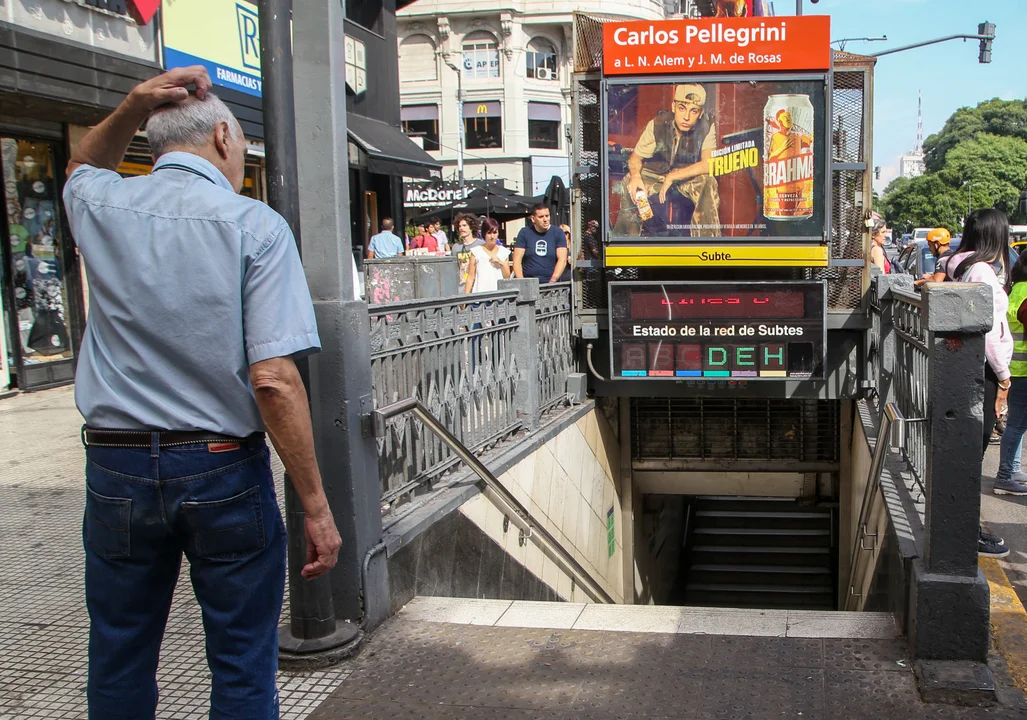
(459, 116)
(969, 196)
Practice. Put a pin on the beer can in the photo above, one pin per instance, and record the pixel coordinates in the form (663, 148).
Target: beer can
(788, 164)
(645, 210)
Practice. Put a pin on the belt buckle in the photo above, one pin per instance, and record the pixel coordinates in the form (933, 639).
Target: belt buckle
(82, 436)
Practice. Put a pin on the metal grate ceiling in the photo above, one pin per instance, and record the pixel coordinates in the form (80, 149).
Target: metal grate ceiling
(778, 432)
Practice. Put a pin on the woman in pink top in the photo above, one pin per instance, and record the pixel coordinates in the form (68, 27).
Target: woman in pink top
(985, 246)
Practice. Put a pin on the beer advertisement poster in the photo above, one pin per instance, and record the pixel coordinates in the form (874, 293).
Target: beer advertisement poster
(690, 160)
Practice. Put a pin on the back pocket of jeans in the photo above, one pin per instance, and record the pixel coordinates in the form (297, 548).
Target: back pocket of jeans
(226, 529)
(107, 525)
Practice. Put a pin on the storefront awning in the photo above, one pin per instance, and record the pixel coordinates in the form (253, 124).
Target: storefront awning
(389, 151)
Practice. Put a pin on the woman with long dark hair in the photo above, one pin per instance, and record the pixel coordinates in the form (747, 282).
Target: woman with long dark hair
(984, 248)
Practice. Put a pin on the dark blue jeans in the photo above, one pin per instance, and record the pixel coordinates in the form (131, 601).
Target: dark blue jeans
(144, 508)
(1016, 425)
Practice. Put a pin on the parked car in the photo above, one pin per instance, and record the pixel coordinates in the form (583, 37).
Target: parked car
(917, 258)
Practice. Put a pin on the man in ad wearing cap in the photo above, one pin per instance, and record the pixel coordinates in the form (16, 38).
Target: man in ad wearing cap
(669, 166)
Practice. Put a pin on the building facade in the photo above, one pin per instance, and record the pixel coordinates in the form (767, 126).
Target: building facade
(911, 165)
(499, 74)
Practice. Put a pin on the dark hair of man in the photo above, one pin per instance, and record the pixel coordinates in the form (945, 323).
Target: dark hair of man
(985, 237)
(387, 223)
(538, 206)
(435, 220)
(472, 223)
(489, 225)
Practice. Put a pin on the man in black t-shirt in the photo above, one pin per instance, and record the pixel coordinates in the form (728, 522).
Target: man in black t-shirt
(541, 249)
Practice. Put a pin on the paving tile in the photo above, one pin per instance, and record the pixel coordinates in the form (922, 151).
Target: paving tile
(879, 695)
(806, 624)
(768, 693)
(863, 654)
(629, 618)
(459, 611)
(764, 653)
(727, 621)
(528, 614)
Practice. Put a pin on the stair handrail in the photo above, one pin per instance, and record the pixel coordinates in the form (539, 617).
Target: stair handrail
(495, 490)
(891, 416)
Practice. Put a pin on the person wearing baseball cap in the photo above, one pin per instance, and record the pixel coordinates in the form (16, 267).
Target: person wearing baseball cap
(938, 240)
(669, 168)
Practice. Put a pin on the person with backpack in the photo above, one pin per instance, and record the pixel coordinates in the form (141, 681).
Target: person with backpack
(878, 237)
(985, 243)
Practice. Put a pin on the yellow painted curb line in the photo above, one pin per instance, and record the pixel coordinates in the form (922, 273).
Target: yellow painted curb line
(1008, 621)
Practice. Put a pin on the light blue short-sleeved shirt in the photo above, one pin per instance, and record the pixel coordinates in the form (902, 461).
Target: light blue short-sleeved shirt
(189, 284)
(385, 245)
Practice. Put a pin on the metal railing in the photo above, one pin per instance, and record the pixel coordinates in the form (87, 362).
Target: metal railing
(555, 343)
(495, 491)
(488, 365)
(911, 381)
(456, 357)
(891, 419)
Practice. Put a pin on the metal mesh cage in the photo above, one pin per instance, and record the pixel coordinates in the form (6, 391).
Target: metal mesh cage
(588, 42)
(844, 286)
(847, 126)
(775, 431)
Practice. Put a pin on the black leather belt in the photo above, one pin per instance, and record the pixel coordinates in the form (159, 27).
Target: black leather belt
(166, 438)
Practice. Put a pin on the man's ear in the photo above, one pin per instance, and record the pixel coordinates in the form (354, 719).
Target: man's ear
(222, 136)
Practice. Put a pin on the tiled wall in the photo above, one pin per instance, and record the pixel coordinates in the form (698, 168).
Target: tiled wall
(569, 484)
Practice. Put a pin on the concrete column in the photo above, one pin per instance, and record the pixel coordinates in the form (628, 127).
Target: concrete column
(340, 375)
(527, 396)
(949, 602)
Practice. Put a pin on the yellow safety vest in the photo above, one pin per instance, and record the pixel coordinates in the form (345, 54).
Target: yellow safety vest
(1018, 366)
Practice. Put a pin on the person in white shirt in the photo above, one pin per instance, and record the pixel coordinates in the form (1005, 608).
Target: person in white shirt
(489, 262)
(440, 235)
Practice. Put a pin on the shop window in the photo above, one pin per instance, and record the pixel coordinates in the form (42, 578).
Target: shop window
(540, 60)
(481, 56)
(34, 256)
(483, 125)
(544, 126)
(417, 61)
(422, 122)
(426, 130)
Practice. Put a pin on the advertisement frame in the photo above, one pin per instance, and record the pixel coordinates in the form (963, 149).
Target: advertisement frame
(824, 164)
(719, 283)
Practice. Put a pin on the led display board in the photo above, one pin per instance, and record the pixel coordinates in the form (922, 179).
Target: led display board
(716, 331)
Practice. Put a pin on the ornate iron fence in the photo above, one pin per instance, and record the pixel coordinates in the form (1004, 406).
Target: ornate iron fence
(910, 379)
(456, 357)
(555, 344)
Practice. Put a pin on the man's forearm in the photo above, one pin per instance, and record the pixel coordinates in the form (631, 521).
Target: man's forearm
(282, 400)
(561, 265)
(106, 144)
(635, 165)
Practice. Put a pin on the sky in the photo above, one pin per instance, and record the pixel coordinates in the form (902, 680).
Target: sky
(948, 74)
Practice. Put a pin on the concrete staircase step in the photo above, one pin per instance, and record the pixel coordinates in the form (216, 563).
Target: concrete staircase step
(653, 618)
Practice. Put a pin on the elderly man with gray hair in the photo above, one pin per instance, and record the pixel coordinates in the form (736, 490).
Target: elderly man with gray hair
(198, 308)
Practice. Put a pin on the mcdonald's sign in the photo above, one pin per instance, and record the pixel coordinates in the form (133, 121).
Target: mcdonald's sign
(488, 108)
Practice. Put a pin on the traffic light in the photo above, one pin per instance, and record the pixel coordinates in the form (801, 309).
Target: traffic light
(987, 31)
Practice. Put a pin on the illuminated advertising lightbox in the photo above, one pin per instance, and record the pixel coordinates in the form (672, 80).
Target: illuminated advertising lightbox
(735, 161)
(716, 331)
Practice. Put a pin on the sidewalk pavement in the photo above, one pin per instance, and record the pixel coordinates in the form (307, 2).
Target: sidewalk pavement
(414, 667)
(1006, 516)
(445, 659)
(43, 620)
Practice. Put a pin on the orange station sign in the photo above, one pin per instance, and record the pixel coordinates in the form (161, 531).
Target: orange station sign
(643, 47)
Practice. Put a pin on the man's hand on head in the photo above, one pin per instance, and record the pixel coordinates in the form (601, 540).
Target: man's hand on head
(169, 87)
